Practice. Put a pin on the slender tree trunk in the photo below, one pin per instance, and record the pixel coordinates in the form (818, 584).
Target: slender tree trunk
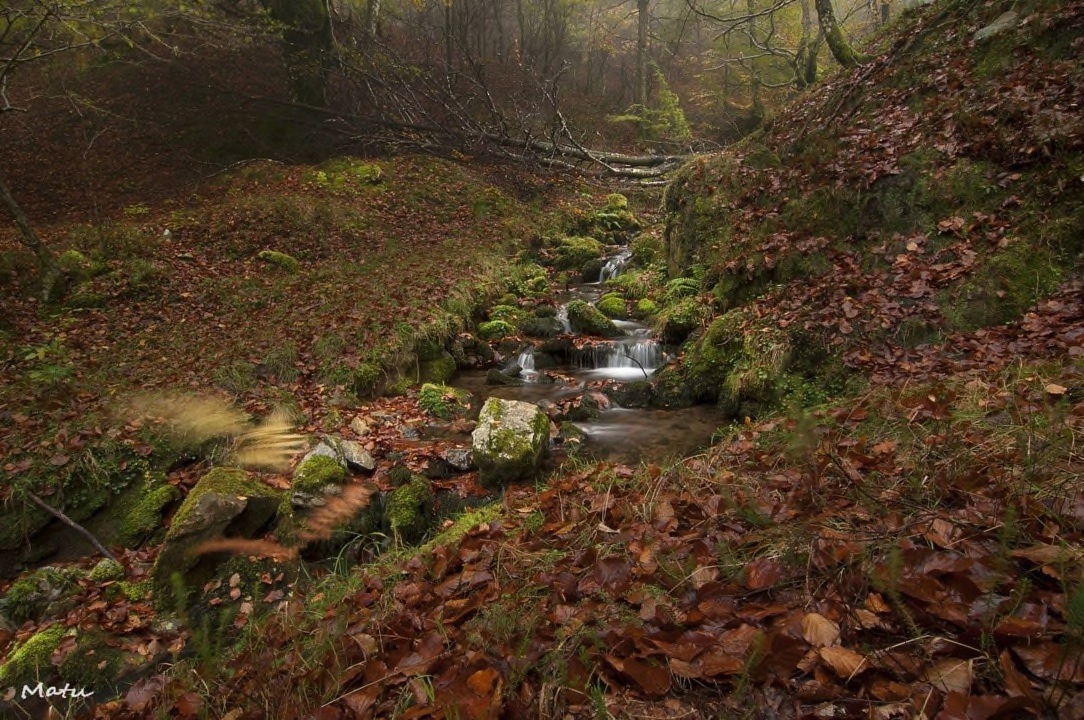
(309, 45)
(372, 19)
(47, 262)
(641, 52)
(805, 59)
(842, 51)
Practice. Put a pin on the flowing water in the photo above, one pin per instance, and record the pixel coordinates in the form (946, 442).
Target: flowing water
(619, 434)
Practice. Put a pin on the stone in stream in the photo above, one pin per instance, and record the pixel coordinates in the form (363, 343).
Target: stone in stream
(586, 318)
(510, 441)
(356, 456)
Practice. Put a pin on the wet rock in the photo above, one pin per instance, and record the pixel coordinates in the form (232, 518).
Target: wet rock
(636, 394)
(587, 319)
(510, 441)
(496, 377)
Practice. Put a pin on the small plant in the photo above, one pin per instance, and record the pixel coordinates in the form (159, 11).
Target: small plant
(50, 366)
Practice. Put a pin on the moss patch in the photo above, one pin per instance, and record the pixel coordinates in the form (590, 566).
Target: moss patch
(442, 401)
(574, 252)
(317, 472)
(280, 260)
(612, 305)
(409, 509)
(33, 659)
(585, 318)
(495, 330)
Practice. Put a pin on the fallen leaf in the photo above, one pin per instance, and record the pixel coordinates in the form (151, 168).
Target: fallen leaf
(819, 631)
(951, 675)
(845, 663)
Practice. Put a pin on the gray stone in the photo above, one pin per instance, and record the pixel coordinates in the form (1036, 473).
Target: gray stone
(1005, 21)
(510, 441)
(326, 450)
(459, 458)
(356, 456)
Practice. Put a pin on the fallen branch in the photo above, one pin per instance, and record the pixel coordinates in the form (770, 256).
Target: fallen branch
(72, 524)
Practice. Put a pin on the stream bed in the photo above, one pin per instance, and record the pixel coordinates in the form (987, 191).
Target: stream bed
(627, 435)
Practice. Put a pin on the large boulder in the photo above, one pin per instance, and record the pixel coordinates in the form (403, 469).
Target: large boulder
(586, 318)
(226, 502)
(510, 441)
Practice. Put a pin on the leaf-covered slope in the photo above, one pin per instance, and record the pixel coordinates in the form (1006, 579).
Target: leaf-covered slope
(892, 215)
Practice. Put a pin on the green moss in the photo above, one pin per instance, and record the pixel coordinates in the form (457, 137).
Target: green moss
(141, 515)
(612, 305)
(646, 249)
(617, 201)
(678, 321)
(409, 508)
(438, 370)
(33, 659)
(442, 401)
(585, 318)
(645, 308)
(495, 330)
(317, 472)
(279, 260)
(106, 570)
(508, 313)
(1003, 288)
(365, 379)
(31, 596)
(507, 454)
(93, 663)
(224, 481)
(573, 252)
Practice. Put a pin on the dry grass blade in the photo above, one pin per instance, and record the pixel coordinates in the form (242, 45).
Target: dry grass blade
(192, 419)
(323, 520)
(260, 548)
(271, 444)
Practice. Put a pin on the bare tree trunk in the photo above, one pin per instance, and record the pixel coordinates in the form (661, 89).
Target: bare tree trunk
(309, 44)
(641, 52)
(842, 51)
(372, 19)
(805, 59)
(47, 262)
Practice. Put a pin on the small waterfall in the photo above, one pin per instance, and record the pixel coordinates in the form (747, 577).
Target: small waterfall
(621, 359)
(526, 360)
(562, 317)
(615, 265)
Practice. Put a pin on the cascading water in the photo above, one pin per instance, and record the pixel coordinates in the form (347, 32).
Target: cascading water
(615, 265)
(621, 360)
(562, 317)
(526, 360)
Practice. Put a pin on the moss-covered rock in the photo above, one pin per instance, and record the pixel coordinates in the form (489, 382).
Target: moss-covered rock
(93, 664)
(617, 201)
(141, 508)
(106, 570)
(511, 314)
(317, 472)
(33, 659)
(409, 509)
(678, 321)
(438, 370)
(510, 441)
(43, 592)
(442, 401)
(539, 327)
(280, 260)
(226, 502)
(585, 318)
(645, 308)
(574, 252)
(612, 305)
(495, 330)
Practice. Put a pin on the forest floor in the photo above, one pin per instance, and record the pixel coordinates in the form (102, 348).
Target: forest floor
(910, 547)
